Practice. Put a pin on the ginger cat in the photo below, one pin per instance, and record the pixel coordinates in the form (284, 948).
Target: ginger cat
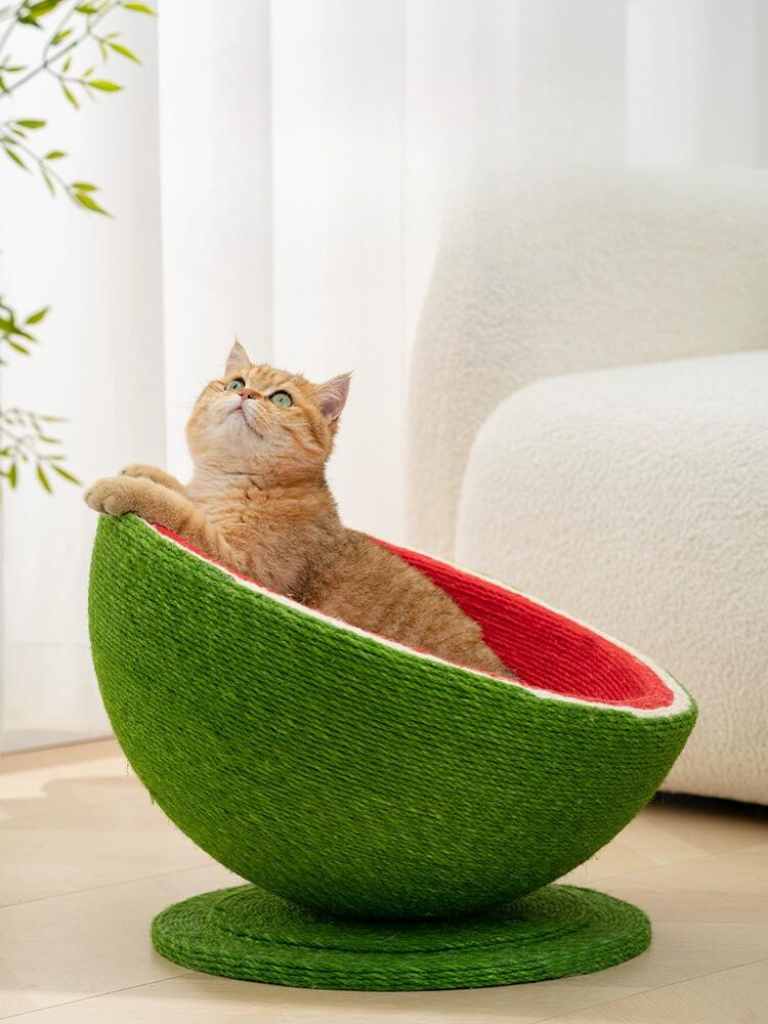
(258, 502)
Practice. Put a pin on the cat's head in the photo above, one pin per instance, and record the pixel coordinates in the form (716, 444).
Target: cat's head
(263, 421)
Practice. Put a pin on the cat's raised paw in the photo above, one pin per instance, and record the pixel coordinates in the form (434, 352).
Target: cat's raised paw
(113, 495)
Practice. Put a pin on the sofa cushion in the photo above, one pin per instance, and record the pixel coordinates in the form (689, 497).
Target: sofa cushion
(637, 499)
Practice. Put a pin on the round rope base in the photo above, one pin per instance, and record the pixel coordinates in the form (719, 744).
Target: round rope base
(249, 934)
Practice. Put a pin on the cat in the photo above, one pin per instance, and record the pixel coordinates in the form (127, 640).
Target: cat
(258, 502)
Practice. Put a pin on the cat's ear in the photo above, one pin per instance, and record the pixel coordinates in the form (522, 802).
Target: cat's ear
(332, 396)
(237, 360)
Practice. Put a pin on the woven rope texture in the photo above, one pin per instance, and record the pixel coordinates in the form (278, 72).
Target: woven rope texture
(354, 777)
(245, 933)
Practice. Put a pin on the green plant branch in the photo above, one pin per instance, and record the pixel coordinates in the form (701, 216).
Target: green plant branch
(24, 439)
(17, 335)
(48, 61)
(57, 32)
(79, 192)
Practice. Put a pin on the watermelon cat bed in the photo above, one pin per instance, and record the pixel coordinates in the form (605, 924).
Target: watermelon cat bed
(399, 817)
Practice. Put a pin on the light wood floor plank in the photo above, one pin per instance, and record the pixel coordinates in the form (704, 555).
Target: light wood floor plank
(198, 999)
(81, 848)
(737, 996)
(86, 860)
(88, 943)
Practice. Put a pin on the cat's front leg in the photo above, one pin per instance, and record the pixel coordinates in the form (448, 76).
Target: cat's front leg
(159, 476)
(116, 495)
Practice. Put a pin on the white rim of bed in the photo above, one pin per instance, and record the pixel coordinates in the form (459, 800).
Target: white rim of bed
(681, 699)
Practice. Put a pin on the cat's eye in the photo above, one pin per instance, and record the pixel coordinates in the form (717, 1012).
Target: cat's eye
(235, 385)
(281, 398)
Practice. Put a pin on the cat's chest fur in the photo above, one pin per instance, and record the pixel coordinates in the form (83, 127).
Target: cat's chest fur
(283, 536)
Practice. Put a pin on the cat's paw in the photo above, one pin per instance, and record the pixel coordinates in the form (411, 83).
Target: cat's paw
(138, 469)
(114, 495)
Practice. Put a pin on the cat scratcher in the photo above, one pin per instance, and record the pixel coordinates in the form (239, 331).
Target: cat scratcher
(400, 818)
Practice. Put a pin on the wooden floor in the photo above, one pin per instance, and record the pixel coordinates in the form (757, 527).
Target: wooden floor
(86, 860)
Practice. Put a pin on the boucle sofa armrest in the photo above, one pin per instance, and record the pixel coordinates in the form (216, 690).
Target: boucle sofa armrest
(570, 269)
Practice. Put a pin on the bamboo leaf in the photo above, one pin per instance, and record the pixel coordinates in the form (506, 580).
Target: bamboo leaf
(35, 318)
(85, 186)
(89, 202)
(43, 478)
(27, 123)
(43, 7)
(104, 85)
(70, 96)
(124, 52)
(48, 180)
(140, 8)
(63, 473)
(14, 156)
(13, 475)
(55, 154)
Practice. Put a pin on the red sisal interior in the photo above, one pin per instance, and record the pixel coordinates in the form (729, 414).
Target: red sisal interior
(544, 649)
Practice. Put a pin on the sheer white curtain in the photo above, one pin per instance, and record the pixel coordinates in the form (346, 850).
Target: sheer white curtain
(293, 194)
(99, 363)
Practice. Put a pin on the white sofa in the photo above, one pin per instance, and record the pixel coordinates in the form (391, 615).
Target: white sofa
(589, 422)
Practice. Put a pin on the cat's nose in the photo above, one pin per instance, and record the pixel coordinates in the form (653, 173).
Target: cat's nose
(247, 393)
